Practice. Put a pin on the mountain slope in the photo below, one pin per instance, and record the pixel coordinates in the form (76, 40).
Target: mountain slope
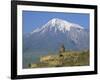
(53, 34)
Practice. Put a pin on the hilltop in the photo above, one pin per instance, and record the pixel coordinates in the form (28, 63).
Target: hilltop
(67, 58)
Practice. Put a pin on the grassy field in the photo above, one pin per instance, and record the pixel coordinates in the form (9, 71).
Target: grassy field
(67, 58)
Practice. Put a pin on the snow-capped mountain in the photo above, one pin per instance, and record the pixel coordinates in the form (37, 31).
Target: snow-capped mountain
(53, 34)
(57, 24)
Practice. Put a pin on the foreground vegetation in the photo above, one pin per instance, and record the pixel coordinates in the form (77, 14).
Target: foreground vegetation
(67, 58)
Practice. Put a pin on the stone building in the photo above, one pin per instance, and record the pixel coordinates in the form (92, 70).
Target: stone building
(62, 49)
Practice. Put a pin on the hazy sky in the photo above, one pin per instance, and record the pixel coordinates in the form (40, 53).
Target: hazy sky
(33, 19)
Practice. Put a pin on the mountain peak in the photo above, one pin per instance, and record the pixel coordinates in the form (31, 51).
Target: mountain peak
(56, 19)
(61, 24)
(58, 24)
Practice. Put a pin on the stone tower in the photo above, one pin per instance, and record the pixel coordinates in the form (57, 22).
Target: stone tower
(62, 49)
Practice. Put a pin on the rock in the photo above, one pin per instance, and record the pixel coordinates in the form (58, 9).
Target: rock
(33, 65)
(46, 58)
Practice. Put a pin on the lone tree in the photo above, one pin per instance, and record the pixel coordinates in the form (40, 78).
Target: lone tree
(62, 49)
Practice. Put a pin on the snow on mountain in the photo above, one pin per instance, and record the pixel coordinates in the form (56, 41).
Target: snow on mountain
(54, 33)
(57, 24)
